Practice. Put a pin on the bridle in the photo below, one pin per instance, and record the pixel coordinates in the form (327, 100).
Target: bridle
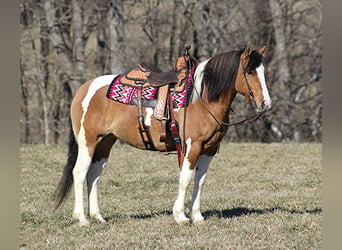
(249, 119)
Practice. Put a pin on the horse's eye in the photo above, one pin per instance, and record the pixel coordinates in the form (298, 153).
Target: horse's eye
(250, 73)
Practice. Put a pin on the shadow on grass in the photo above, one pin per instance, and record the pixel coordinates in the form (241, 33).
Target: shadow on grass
(139, 216)
(226, 213)
(242, 211)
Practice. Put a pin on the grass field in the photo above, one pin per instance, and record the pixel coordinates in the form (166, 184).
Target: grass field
(257, 196)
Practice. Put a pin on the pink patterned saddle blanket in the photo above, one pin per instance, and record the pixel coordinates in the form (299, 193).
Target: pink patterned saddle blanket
(128, 95)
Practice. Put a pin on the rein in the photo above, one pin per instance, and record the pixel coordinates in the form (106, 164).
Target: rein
(249, 119)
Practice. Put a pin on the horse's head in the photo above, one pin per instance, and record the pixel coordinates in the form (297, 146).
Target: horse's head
(250, 80)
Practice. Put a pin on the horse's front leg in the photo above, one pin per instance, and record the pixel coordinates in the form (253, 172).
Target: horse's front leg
(184, 180)
(200, 175)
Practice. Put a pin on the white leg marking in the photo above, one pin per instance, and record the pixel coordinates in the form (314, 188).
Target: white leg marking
(149, 113)
(93, 177)
(261, 74)
(84, 159)
(200, 175)
(184, 180)
(79, 174)
(198, 77)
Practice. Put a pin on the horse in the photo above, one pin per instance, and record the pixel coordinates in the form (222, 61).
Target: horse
(97, 123)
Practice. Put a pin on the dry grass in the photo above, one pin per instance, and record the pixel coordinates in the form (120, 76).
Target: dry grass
(257, 196)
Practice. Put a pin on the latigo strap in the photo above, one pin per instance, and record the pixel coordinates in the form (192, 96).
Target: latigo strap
(174, 130)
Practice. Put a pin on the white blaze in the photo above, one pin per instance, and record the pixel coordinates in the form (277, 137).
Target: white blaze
(261, 74)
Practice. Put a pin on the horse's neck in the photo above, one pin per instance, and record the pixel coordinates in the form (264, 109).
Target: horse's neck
(230, 98)
(220, 108)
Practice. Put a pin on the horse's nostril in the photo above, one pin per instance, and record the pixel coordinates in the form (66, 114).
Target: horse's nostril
(263, 105)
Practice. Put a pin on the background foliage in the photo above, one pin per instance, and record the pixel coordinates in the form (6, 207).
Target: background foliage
(66, 42)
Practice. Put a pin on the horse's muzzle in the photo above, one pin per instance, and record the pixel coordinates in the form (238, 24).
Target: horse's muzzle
(264, 106)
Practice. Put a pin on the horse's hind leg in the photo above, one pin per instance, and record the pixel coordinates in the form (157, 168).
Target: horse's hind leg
(79, 174)
(98, 163)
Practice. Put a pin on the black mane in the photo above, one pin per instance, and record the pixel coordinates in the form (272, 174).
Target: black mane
(221, 70)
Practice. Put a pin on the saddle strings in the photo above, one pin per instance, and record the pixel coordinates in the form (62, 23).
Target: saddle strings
(190, 63)
(188, 71)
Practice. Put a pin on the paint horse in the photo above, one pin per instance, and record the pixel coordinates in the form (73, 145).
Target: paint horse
(98, 122)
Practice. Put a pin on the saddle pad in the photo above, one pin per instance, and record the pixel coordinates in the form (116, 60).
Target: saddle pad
(125, 94)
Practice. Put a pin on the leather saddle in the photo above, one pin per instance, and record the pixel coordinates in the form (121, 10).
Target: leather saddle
(149, 75)
(146, 75)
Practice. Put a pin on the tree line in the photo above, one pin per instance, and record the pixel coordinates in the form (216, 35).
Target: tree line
(67, 42)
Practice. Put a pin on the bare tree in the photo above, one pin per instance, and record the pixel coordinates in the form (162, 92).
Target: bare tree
(78, 42)
(62, 46)
(24, 107)
(116, 36)
(281, 61)
(174, 22)
(65, 42)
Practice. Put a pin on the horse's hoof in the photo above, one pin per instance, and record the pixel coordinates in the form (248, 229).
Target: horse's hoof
(102, 220)
(84, 223)
(197, 219)
(99, 218)
(182, 220)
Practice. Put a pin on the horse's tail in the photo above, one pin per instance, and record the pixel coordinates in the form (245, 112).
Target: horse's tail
(66, 180)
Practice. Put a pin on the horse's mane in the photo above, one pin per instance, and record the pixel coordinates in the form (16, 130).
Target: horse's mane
(220, 72)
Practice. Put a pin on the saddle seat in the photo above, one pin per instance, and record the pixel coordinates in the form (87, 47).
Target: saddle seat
(156, 76)
(148, 75)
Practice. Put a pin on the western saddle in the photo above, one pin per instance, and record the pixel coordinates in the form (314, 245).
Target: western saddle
(167, 82)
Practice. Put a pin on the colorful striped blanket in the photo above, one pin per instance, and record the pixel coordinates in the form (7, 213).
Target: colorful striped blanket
(128, 94)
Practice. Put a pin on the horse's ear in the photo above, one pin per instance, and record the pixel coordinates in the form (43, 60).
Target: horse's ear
(261, 51)
(247, 52)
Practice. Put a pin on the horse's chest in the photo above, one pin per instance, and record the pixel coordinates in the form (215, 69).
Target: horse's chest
(212, 144)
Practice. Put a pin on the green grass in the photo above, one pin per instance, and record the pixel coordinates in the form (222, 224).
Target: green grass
(257, 196)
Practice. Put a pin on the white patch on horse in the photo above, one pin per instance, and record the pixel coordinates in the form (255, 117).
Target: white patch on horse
(97, 83)
(149, 113)
(79, 172)
(186, 163)
(184, 180)
(261, 74)
(198, 77)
